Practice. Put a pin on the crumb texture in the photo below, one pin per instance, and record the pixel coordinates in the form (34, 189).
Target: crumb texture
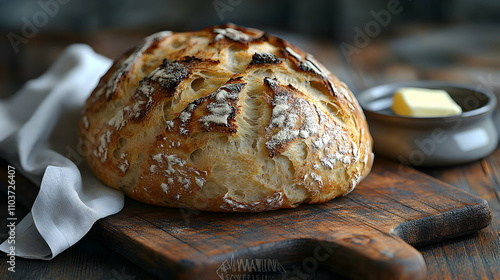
(224, 119)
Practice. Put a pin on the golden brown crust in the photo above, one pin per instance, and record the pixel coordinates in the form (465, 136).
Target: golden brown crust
(224, 119)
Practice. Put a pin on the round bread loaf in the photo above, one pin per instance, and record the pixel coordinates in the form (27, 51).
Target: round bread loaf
(224, 119)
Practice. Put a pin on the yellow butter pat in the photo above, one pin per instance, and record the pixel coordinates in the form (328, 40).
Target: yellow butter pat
(421, 102)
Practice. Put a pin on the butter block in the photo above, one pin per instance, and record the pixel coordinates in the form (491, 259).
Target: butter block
(422, 102)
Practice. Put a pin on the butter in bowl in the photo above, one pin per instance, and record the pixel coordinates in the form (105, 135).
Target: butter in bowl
(429, 123)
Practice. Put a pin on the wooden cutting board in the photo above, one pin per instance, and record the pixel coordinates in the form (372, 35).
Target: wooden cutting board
(368, 234)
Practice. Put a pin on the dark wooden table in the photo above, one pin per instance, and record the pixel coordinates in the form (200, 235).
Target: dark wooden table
(475, 256)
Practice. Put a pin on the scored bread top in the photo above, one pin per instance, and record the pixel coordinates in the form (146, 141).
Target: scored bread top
(224, 119)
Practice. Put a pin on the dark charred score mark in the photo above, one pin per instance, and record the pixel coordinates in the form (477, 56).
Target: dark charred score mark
(154, 45)
(173, 72)
(271, 83)
(164, 82)
(204, 114)
(307, 68)
(266, 37)
(278, 89)
(261, 39)
(329, 87)
(194, 104)
(223, 97)
(191, 59)
(167, 77)
(275, 89)
(230, 33)
(230, 128)
(264, 58)
(236, 79)
(171, 75)
(297, 61)
(144, 112)
(291, 52)
(273, 40)
(234, 86)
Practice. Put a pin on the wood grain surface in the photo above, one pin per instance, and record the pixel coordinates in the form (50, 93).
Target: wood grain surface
(476, 256)
(372, 228)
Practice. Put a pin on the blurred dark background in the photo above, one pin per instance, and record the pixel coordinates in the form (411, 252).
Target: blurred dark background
(359, 40)
(314, 17)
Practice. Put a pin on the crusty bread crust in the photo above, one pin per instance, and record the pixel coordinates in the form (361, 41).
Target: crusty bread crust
(224, 119)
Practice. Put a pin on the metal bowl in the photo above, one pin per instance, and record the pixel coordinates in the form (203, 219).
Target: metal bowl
(436, 141)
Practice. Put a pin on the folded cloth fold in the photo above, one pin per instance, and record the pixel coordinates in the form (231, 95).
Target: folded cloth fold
(38, 136)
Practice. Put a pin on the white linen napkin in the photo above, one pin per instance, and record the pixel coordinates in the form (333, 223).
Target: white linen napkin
(38, 135)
